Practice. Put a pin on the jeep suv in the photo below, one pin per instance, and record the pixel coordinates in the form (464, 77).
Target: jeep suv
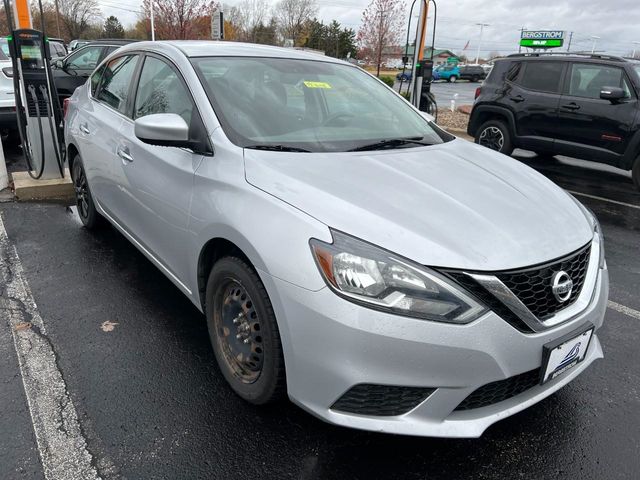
(583, 106)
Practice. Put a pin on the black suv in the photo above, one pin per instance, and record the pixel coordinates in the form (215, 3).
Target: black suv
(473, 73)
(580, 105)
(73, 70)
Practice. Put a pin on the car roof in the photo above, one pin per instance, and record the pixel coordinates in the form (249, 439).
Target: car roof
(109, 41)
(211, 48)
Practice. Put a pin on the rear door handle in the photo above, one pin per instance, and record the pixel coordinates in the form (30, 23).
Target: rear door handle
(123, 153)
(84, 129)
(517, 98)
(571, 106)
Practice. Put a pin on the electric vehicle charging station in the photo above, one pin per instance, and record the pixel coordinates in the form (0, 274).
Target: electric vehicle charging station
(38, 111)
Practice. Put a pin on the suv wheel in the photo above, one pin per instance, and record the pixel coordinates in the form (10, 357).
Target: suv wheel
(635, 173)
(475, 79)
(494, 134)
(452, 79)
(244, 333)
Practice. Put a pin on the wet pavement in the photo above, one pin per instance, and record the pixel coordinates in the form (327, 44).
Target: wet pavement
(151, 403)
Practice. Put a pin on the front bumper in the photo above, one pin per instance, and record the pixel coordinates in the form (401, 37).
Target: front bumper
(331, 345)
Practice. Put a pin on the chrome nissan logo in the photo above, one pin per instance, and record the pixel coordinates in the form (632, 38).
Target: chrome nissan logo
(561, 286)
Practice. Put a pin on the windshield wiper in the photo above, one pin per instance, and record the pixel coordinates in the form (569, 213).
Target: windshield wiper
(390, 143)
(278, 148)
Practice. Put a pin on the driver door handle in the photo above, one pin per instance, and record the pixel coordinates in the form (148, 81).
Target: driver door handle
(517, 98)
(123, 153)
(571, 106)
(84, 129)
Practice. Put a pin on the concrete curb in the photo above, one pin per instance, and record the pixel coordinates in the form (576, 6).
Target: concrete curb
(58, 190)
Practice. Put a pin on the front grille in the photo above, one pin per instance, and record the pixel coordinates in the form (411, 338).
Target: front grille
(381, 400)
(533, 286)
(501, 390)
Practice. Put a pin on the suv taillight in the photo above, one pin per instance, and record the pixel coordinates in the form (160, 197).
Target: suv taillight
(478, 91)
(65, 108)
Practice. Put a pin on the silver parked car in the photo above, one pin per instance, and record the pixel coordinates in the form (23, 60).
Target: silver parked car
(345, 250)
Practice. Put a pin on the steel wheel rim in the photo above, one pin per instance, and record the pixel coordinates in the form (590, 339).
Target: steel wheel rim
(493, 138)
(82, 192)
(238, 331)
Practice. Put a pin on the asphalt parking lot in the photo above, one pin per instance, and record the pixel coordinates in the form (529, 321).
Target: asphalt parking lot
(149, 402)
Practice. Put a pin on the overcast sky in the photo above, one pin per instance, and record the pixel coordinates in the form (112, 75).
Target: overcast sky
(616, 22)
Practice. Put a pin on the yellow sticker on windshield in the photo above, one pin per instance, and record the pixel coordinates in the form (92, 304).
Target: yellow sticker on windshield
(317, 85)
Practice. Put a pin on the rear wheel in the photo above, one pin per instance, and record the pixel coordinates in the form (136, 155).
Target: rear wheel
(87, 212)
(453, 79)
(475, 79)
(495, 135)
(635, 173)
(244, 333)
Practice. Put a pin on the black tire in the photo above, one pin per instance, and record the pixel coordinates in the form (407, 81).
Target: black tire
(87, 212)
(475, 79)
(244, 332)
(494, 134)
(453, 79)
(635, 173)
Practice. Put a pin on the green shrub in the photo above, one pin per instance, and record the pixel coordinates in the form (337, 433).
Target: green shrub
(389, 80)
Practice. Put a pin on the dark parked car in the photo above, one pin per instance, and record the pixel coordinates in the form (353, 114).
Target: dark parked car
(57, 48)
(473, 73)
(583, 106)
(73, 70)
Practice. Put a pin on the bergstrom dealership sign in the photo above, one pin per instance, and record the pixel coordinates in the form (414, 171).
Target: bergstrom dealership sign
(542, 38)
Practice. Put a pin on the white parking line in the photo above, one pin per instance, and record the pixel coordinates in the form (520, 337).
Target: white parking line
(61, 445)
(603, 199)
(624, 309)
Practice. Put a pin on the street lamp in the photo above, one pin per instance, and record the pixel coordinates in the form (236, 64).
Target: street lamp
(595, 40)
(482, 25)
(633, 55)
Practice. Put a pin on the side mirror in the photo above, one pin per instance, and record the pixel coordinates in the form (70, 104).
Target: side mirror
(163, 129)
(428, 117)
(58, 63)
(613, 94)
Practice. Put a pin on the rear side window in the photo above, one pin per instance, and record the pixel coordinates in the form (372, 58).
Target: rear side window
(116, 81)
(542, 76)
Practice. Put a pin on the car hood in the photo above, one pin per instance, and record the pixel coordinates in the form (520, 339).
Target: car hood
(455, 205)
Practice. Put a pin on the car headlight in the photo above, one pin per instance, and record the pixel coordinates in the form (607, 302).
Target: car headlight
(597, 229)
(378, 279)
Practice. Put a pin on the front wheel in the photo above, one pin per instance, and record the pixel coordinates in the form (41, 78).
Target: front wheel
(244, 333)
(495, 135)
(453, 79)
(635, 173)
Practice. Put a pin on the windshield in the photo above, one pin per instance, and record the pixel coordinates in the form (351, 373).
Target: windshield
(308, 105)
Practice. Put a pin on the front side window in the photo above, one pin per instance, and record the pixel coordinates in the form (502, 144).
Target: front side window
(95, 79)
(116, 81)
(85, 59)
(542, 76)
(160, 90)
(313, 105)
(588, 80)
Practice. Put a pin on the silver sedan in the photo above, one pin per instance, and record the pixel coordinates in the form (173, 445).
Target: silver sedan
(346, 251)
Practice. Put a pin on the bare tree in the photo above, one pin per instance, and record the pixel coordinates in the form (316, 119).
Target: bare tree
(293, 16)
(247, 17)
(78, 15)
(382, 27)
(177, 19)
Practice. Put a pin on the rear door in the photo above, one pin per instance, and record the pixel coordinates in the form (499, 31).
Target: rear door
(588, 126)
(100, 129)
(156, 183)
(534, 96)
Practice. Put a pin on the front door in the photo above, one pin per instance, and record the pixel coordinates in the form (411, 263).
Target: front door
(588, 126)
(76, 69)
(157, 182)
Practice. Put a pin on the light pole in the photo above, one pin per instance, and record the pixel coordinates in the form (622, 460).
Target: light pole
(595, 41)
(633, 55)
(153, 29)
(482, 25)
